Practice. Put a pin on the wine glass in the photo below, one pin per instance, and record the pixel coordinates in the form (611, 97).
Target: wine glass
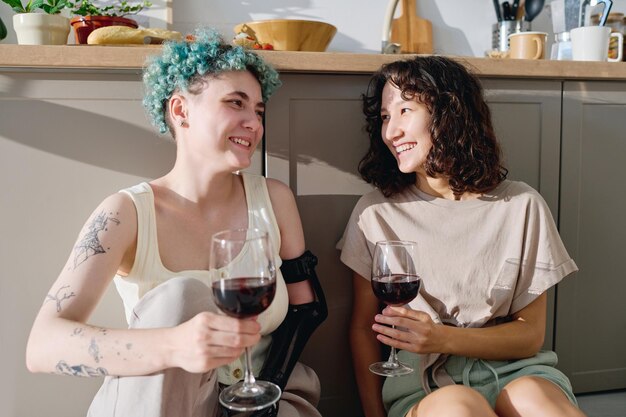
(243, 280)
(394, 282)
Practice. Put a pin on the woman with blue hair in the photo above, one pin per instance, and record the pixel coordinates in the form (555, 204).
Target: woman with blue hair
(153, 240)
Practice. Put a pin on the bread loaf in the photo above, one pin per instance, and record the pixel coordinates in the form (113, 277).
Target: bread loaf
(126, 35)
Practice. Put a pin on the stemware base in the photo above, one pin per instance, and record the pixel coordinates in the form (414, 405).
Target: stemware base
(239, 397)
(390, 369)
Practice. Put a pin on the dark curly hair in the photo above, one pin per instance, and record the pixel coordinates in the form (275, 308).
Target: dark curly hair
(465, 149)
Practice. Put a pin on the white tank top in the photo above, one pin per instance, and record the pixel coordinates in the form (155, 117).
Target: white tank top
(148, 271)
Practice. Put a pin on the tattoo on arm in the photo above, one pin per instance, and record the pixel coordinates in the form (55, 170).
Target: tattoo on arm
(63, 368)
(58, 298)
(90, 243)
(94, 350)
(78, 331)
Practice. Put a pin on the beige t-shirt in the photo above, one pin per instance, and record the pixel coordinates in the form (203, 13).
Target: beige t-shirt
(478, 259)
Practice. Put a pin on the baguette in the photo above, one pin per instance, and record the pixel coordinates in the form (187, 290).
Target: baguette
(125, 35)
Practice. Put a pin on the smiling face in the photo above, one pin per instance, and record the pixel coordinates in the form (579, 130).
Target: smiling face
(223, 122)
(405, 129)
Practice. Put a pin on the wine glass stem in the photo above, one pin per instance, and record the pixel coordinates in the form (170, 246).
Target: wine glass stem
(393, 357)
(248, 380)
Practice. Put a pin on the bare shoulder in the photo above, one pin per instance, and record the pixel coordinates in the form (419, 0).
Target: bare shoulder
(287, 217)
(118, 209)
(279, 191)
(283, 201)
(113, 224)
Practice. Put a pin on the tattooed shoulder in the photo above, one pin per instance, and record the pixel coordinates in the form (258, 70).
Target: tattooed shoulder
(90, 243)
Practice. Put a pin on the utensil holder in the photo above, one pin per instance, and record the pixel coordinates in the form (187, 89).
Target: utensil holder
(500, 32)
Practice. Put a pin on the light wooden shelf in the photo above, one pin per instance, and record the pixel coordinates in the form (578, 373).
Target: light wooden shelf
(88, 57)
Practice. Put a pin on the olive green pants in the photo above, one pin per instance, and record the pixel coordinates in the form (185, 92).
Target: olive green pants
(486, 377)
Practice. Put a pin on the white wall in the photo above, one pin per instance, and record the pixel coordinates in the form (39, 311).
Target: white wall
(460, 27)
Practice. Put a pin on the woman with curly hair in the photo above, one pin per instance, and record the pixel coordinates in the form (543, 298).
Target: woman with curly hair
(488, 250)
(153, 241)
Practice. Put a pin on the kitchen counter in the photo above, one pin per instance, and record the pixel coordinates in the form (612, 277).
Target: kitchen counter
(131, 58)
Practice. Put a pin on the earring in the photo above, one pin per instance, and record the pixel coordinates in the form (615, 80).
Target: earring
(182, 123)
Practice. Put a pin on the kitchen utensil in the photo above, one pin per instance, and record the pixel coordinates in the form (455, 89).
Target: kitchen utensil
(562, 47)
(496, 7)
(500, 32)
(572, 14)
(414, 34)
(506, 10)
(520, 11)
(585, 4)
(291, 34)
(514, 9)
(532, 8)
(557, 13)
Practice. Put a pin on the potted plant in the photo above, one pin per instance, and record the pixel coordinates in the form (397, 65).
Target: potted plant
(33, 27)
(91, 16)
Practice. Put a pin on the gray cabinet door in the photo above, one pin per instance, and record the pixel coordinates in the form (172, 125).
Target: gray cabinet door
(314, 141)
(591, 312)
(527, 118)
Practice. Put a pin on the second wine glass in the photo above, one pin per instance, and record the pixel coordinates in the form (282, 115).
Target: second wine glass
(243, 280)
(395, 282)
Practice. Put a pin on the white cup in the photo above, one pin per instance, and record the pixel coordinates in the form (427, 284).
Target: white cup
(591, 43)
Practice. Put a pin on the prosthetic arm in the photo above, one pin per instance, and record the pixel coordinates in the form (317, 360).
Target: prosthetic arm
(289, 339)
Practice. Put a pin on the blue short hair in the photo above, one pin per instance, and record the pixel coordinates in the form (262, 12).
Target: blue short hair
(182, 62)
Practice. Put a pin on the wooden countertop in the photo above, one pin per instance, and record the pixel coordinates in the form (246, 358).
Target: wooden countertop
(115, 58)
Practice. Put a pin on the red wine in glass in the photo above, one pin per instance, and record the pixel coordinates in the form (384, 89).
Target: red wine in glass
(243, 297)
(394, 282)
(396, 289)
(243, 281)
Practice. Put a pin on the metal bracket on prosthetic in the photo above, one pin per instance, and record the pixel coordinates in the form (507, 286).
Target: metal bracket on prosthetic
(289, 339)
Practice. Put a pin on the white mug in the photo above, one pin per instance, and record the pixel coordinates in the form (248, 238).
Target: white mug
(591, 43)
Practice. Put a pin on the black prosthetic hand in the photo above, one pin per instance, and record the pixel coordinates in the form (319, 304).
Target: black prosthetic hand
(289, 339)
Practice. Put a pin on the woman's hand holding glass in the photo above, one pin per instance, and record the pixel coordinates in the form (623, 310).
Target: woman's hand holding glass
(410, 330)
(210, 340)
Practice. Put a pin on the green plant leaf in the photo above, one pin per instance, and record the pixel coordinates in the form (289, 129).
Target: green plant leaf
(16, 5)
(3, 30)
(54, 6)
(120, 8)
(33, 5)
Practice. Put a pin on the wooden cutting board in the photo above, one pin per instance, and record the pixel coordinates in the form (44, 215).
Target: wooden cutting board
(414, 34)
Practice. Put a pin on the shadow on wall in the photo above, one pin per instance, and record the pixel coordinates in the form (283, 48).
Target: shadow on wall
(296, 9)
(446, 39)
(90, 138)
(348, 44)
